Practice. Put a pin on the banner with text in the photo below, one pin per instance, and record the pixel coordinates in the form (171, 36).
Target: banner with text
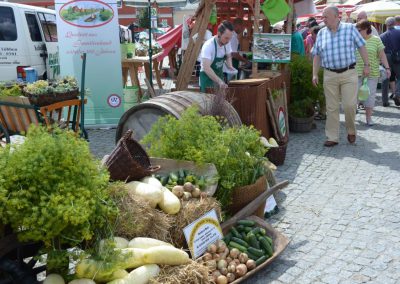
(91, 26)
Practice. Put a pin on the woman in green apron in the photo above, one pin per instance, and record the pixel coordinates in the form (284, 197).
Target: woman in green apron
(214, 53)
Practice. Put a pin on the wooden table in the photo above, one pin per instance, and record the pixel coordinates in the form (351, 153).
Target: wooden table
(132, 65)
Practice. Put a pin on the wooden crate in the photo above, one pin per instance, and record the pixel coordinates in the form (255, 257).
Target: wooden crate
(280, 242)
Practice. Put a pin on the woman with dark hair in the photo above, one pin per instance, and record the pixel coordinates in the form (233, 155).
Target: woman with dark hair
(376, 54)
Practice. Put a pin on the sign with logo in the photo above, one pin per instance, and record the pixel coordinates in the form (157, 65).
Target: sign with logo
(203, 232)
(153, 17)
(91, 27)
(282, 121)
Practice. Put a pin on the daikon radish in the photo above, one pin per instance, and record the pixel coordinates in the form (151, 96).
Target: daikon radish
(140, 275)
(170, 203)
(167, 255)
(92, 269)
(54, 279)
(144, 243)
(152, 181)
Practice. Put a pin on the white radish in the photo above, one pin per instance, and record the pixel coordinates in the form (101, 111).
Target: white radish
(140, 275)
(152, 181)
(167, 255)
(144, 243)
(82, 281)
(170, 203)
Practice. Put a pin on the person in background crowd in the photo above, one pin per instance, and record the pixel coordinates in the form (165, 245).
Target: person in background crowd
(306, 31)
(310, 40)
(297, 44)
(277, 29)
(376, 54)
(235, 46)
(362, 15)
(214, 53)
(391, 41)
(397, 24)
(334, 50)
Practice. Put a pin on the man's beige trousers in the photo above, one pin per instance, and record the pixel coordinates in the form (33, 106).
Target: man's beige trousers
(340, 86)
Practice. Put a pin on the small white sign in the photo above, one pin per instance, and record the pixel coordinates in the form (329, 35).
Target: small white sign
(203, 232)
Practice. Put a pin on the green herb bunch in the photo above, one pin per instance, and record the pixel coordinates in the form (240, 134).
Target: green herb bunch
(52, 189)
(236, 152)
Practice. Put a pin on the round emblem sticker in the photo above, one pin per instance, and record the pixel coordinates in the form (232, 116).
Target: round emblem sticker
(282, 122)
(114, 100)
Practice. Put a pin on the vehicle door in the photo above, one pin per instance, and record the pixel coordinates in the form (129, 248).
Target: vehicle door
(49, 29)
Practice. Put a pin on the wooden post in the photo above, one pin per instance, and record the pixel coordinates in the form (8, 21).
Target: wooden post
(256, 30)
(202, 18)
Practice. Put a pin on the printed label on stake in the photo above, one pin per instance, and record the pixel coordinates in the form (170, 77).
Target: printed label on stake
(203, 232)
(282, 121)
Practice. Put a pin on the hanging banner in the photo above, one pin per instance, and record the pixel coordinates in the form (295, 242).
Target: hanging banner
(91, 27)
(272, 48)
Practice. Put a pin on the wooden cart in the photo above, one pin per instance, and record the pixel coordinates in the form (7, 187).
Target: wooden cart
(17, 114)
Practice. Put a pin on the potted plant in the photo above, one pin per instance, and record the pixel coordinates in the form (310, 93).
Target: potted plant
(303, 95)
(236, 152)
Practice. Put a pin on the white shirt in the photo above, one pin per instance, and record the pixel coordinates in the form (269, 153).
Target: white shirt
(234, 42)
(207, 36)
(208, 50)
(374, 31)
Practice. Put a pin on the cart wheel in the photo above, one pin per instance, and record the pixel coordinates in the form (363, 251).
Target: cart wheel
(4, 134)
(18, 266)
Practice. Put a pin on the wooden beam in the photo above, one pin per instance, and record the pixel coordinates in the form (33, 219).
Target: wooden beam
(203, 16)
(256, 30)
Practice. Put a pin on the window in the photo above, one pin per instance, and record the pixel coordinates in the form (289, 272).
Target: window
(49, 27)
(33, 27)
(8, 28)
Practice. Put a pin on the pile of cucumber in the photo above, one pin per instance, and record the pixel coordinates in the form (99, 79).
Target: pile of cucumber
(180, 177)
(250, 239)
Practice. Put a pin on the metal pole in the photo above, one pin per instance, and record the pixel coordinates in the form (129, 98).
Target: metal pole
(150, 49)
(83, 97)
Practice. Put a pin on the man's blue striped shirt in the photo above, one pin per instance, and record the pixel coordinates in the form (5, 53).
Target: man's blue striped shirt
(337, 50)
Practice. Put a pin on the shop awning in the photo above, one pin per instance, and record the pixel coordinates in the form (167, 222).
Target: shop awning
(353, 2)
(378, 11)
(169, 40)
(160, 3)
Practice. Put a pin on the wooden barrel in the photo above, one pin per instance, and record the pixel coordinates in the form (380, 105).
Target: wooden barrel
(141, 117)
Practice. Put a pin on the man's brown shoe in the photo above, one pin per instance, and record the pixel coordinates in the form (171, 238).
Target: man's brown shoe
(351, 138)
(330, 143)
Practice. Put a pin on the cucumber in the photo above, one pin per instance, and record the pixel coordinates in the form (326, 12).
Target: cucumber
(240, 228)
(259, 230)
(236, 245)
(240, 242)
(235, 233)
(253, 240)
(247, 229)
(269, 240)
(173, 177)
(252, 256)
(227, 238)
(247, 223)
(243, 235)
(266, 246)
(164, 180)
(261, 260)
(255, 251)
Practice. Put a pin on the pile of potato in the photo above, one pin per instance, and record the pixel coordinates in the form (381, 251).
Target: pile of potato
(188, 191)
(226, 265)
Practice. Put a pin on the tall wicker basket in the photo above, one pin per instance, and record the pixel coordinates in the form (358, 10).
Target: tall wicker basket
(129, 161)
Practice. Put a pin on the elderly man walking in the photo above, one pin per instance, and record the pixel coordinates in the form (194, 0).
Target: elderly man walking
(334, 50)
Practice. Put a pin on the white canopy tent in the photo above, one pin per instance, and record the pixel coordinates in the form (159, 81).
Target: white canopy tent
(378, 11)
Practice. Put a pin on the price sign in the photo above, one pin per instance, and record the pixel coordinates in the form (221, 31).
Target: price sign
(203, 232)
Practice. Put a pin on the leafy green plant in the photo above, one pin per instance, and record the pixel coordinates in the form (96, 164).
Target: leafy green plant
(52, 189)
(144, 18)
(303, 94)
(236, 152)
(13, 91)
(40, 87)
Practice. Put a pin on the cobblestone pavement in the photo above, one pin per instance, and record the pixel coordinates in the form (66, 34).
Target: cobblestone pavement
(341, 211)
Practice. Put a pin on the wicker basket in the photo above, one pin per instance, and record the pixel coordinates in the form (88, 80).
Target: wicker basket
(277, 155)
(242, 196)
(129, 161)
(48, 99)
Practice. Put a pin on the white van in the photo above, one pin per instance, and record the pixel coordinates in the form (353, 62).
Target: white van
(28, 38)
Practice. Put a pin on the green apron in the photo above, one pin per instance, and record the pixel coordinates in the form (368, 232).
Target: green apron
(217, 66)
